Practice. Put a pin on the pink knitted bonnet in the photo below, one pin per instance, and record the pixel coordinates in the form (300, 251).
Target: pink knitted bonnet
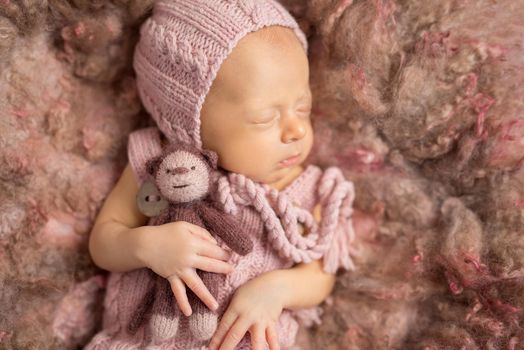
(181, 48)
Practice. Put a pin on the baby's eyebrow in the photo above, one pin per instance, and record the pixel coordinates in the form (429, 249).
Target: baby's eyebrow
(259, 108)
(307, 94)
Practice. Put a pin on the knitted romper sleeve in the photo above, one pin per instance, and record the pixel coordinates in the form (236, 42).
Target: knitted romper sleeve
(143, 144)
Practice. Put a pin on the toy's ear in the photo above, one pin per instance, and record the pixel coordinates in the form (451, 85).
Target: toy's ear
(211, 157)
(153, 164)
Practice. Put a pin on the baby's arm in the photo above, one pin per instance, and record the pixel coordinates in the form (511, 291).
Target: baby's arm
(258, 303)
(114, 243)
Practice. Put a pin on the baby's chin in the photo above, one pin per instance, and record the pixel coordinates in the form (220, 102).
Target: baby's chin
(269, 174)
(279, 177)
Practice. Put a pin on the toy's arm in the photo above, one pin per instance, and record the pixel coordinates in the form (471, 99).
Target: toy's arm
(227, 228)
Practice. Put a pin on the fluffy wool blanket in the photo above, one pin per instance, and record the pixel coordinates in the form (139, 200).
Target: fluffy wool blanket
(421, 104)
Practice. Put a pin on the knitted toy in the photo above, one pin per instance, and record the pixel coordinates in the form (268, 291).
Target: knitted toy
(181, 191)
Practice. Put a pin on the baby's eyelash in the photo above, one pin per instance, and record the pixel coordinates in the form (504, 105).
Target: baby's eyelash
(306, 105)
(266, 121)
(304, 110)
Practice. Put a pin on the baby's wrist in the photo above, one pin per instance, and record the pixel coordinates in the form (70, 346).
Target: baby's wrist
(135, 242)
(279, 280)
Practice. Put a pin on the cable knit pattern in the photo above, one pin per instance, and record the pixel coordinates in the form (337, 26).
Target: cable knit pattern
(271, 218)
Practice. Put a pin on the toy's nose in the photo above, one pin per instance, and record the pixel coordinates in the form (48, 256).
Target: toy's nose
(180, 170)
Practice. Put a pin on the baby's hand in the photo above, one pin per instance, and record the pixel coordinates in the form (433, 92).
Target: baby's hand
(175, 250)
(256, 306)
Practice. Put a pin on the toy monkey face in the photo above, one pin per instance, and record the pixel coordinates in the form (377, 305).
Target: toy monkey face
(183, 177)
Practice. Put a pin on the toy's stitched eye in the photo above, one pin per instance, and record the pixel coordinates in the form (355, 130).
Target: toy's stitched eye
(193, 167)
(167, 171)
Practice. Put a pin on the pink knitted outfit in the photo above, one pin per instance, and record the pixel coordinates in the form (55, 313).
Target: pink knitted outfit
(180, 50)
(259, 208)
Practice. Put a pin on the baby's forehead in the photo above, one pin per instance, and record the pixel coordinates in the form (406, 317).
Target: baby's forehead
(259, 64)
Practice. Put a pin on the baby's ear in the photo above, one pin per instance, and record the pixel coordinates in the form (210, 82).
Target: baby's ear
(211, 157)
(152, 165)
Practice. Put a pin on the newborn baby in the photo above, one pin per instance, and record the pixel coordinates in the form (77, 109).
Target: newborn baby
(249, 101)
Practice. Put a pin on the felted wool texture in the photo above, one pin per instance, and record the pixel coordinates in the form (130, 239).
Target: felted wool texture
(401, 91)
(67, 104)
(421, 102)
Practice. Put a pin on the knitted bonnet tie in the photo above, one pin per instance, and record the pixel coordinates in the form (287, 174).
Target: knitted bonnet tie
(330, 239)
(181, 48)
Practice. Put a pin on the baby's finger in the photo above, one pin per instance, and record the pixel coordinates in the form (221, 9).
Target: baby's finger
(179, 290)
(213, 251)
(202, 233)
(212, 265)
(272, 337)
(194, 282)
(235, 333)
(258, 336)
(225, 323)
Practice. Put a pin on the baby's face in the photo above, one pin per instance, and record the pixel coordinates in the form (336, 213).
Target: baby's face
(257, 113)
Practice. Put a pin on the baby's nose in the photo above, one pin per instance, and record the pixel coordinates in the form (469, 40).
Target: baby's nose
(180, 170)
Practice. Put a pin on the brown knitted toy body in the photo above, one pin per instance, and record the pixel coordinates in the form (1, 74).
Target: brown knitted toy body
(188, 199)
